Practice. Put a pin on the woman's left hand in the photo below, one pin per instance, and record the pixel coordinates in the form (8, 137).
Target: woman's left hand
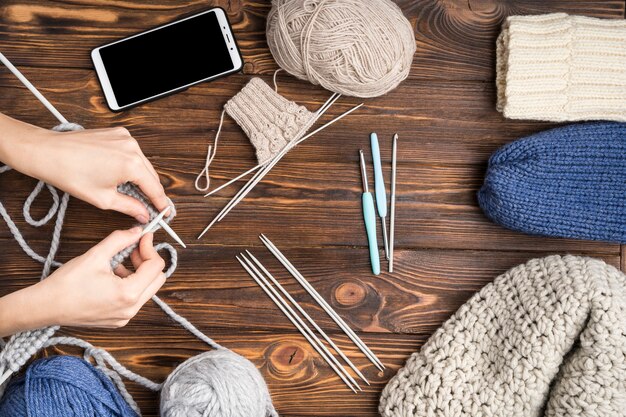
(89, 165)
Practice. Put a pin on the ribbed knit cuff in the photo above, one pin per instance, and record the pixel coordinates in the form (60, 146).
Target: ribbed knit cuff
(557, 67)
(270, 120)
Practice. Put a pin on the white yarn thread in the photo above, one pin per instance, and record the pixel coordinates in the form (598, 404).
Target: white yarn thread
(209, 159)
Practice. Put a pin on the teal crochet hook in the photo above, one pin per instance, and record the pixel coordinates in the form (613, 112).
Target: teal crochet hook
(369, 215)
(379, 188)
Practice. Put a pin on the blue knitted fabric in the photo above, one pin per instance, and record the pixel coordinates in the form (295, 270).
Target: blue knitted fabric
(566, 182)
(63, 386)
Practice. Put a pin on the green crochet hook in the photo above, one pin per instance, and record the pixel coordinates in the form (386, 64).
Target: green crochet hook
(369, 215)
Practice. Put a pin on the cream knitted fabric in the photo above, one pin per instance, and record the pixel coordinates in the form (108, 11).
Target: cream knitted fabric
(547, 338)
(557, 67)
(270, 120)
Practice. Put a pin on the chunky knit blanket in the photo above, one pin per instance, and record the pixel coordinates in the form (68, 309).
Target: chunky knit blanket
(562, 68)
(564, 182)
(547, 338)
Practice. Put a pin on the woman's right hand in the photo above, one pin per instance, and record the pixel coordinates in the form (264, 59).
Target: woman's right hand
(86, 292)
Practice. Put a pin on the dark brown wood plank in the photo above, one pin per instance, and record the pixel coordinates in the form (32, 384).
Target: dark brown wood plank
(455, 39)
(212, 290)
(154, 352)
(317, 204)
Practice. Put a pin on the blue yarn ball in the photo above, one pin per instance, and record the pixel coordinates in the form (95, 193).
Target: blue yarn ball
(566, 182)
(63, 386)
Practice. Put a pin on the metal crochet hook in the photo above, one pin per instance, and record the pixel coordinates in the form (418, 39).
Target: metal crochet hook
(379, 189)
(369, 216)
(392, 220)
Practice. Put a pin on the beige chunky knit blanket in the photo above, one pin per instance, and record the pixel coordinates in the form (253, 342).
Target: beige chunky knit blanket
(547, 338)
(557, 67)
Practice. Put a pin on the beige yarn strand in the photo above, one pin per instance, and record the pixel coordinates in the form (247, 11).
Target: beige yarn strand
(209, 159)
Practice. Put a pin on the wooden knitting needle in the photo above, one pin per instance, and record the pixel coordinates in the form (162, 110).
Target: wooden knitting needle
(322, 303)
(260, 174)
(293, 317)
(318, 113)
(309, 319)
(392, 214)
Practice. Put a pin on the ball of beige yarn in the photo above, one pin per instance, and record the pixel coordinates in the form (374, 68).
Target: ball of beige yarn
(361, 48)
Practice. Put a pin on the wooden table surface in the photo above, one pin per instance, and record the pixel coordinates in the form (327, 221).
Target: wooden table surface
(309, 204)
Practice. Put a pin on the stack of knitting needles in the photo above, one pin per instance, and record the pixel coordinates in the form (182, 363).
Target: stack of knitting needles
(381, 203)
(265, 167)
(285, 302)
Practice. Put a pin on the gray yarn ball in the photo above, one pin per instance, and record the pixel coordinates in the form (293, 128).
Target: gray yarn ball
(218, 383)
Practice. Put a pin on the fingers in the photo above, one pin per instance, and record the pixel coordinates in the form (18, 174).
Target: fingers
(121, 271)
(130, 206)
(118, 240)
(152, 188)
(149, 273)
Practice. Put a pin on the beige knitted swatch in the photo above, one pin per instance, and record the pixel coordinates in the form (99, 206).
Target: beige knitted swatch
(270, 120)
(547, 338)
(557, 67)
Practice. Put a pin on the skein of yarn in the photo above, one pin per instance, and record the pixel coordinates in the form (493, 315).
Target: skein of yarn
(352, 47)
(218, 383)
(63, 386)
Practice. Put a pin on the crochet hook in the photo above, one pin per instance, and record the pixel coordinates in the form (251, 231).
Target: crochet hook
(392, 215)
(369, 216)
(293, 318)
(321, 302)
(379, 189)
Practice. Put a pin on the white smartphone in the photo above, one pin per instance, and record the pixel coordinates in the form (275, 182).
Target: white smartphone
(167, 59)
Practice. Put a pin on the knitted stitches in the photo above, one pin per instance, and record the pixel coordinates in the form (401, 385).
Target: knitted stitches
(557, 67)
(566, 182)
(268, 119)
(547, 338)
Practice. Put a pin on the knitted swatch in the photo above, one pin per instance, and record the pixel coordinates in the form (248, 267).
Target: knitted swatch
(547, 338)
(268, 119)
(557, 67)
(566, 182)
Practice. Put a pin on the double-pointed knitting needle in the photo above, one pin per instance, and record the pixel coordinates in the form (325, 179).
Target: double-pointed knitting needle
(319, 112)
(159, 220)
(260, 174)
(322, 303)
(392, 215)
(306, 316)
(296, 320)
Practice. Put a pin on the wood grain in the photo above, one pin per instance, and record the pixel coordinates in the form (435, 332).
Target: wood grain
(308, 205)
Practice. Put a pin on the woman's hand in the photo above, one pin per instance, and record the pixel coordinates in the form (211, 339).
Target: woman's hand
(88, 164)
(85, 291)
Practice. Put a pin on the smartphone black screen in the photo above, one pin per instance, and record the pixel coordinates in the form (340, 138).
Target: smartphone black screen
(167, 58)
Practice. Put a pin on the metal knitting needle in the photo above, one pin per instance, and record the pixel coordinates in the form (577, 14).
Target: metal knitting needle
(322, 303)
(392, 219)
(379, 183)
(306, 316)
(150, 226)
(260, 174)
(311, 333)
(32, 89)
(290, 314)
(319, 112)
(172, 233)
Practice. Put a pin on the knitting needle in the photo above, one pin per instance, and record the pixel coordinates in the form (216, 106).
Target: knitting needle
(309, 319)
(32, 89)
(322, 303)
(172, 233)
(260, 174)
(369, 217)
(311, 333)
(392, 220)
(291, 315)
(152, 225)
(379, 184)
(319, 112)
